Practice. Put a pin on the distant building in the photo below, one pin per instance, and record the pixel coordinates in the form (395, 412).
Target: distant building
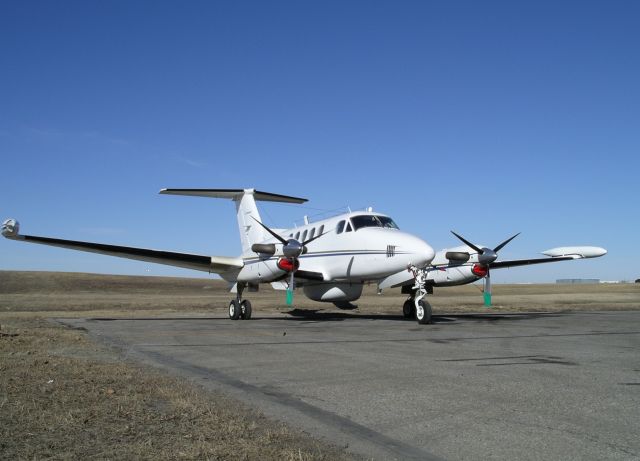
(578, 281)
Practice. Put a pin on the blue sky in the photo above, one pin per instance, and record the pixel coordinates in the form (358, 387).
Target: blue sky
(488, 118)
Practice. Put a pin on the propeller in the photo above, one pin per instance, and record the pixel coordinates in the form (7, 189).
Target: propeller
(485, 257)
(291, 249)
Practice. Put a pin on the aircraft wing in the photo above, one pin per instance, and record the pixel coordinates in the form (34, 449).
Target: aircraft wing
(554, 255)
(396, 280)
(309, 275)
(526, 262)
(301, 275)
(216, 264)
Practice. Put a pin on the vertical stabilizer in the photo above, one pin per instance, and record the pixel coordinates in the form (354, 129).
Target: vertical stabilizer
(246, 209)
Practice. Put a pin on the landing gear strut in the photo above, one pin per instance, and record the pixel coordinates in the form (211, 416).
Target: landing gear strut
(415, 305)
(239, 308)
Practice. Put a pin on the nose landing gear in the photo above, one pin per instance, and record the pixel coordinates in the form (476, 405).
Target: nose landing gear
(415, 306)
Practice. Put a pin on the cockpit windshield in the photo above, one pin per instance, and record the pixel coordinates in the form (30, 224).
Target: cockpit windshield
(372, 221)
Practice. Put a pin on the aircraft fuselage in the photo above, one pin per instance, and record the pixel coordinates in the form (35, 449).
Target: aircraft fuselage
(350, 250)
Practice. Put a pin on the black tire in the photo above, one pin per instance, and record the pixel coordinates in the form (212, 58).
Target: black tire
(245, 310)
(408, 308)
(423, 312)
(234, 309)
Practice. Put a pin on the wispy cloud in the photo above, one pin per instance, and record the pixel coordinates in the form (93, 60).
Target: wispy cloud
(102, 230)
(77, 135)
(190, 162)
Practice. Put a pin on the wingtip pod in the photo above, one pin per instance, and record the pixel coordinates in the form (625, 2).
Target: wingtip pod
(10, 228)
(576, 252)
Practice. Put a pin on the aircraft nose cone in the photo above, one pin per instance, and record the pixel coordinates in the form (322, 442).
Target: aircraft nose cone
(429, 253)
(422, 252)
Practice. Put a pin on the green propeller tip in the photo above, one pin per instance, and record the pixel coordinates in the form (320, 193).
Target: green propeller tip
(487, 299)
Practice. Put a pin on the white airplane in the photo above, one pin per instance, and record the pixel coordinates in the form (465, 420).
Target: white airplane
(330, 259)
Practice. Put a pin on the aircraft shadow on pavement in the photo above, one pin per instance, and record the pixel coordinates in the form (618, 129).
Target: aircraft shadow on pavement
(306, 315)
(315, 314)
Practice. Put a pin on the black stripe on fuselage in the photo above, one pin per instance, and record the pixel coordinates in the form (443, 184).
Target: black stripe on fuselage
(326, 253)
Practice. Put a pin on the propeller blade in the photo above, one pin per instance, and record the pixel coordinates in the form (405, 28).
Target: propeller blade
(280, 239)
(487, 289)
(502, 245)
(466, 242)
(290, 289)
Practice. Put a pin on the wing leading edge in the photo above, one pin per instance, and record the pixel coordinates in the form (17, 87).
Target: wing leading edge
(554, 255)
(216, 264)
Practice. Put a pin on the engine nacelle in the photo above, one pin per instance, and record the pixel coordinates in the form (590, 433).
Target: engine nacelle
(333, 292)
(457, 256)
(455, 275)
(288, 265)
(264, 248)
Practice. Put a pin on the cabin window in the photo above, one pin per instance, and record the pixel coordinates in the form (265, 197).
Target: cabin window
(340, 227)
(313, 231)
(297, 235)
(348, 229)
(321, 230)
(304, 236)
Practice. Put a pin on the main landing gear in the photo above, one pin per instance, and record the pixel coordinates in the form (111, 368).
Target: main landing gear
(416, 306)
(239, 308)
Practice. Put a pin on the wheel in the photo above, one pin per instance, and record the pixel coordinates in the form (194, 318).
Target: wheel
(245, 310)
(408, 308)
(234, 309)
(423, 312)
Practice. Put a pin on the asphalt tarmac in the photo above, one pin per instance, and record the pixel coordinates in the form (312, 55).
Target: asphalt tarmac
(475, 386)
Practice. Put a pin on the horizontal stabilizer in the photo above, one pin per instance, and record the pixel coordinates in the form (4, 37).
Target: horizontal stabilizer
(235, 194)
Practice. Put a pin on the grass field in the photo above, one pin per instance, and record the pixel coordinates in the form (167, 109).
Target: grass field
(63, 396)
(69, 293)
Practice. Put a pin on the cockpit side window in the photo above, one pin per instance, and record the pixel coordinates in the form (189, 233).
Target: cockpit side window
(348, 229)
(340, 227)
(387, 222)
